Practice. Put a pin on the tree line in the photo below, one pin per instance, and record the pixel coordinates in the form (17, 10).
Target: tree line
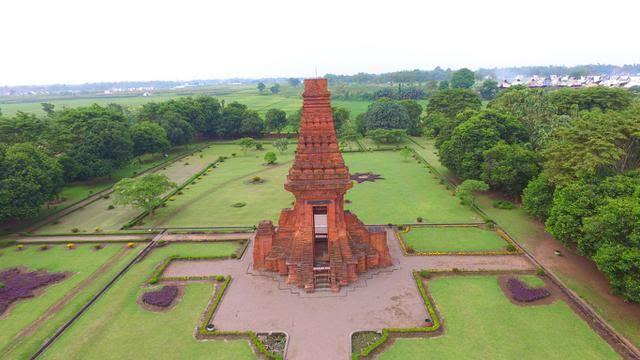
(39, 155)
(571, 155)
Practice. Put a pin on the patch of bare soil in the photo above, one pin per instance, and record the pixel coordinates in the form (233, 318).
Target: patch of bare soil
(176, 300)
(554, 293)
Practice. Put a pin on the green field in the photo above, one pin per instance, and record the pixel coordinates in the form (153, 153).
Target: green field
(209, 201)
(408, 191)
(97, 214)
(481, 323)
(118, 328)
(453, 239)
(289, 99)
(81, 262)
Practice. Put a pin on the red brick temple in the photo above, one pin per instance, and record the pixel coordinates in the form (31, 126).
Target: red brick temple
(317, 243)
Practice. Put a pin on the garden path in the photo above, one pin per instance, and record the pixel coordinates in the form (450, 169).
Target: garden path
(319, 325)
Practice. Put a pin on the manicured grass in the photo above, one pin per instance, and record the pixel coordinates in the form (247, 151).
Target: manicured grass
(116, 327)
(481, 323)
(97, 214)
(450, 239)
(408, 191)
(209, 201)
(81, 262)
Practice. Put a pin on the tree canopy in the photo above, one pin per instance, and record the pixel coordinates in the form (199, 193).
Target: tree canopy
(144, 192)
(463, 79)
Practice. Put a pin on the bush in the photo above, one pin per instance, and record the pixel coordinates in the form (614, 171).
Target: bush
(131, 245)
(75, 230)
(71, 246)
(220, 278)
(511, 248)
(239, 204)
(98, 246)
(110, 207)
(424, 273)
(234, 155)
(97, 229)
(419, 219)
(540, 272)
(410, 249)
(106, 197)
(234, 256)
(259, 146)
(20, 247)
(44, 247)
(503, 204)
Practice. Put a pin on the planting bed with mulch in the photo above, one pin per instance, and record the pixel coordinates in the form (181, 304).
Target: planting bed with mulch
(18, 284)
(161, 299)
(368, 176)
(523, 293)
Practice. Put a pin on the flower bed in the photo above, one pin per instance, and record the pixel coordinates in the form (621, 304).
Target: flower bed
(522, 292)
(21, 285)
(162, 297)
(368, 176)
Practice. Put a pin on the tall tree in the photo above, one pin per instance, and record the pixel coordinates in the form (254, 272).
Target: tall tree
(452, 102)
(276, 120)
(275, 88)
(48, 108)
(149, 137)
(489, 89)
(509, 167)
(463, 79)
(386, 114)
(261, 86)
(414, 110)
(28, 178)
(295, 82)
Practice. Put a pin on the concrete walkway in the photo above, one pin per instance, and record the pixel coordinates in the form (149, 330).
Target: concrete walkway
(319, 326)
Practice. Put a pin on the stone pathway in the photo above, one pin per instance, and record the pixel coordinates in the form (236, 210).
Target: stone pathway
(319, 326)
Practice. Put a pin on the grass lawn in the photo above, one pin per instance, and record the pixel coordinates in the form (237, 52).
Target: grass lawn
(481, 323)
(82, 262)
(97, 214)
(407, 192)
(116, 327)
(448, 239)
(209, 201)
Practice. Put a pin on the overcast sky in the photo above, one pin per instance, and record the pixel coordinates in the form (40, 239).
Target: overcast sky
(65, 41)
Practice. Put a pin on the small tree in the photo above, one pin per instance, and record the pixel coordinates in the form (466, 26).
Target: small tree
(246, 144)
(144, 192)
(270, 158)
(275, 88)
(466, 190)
(405, 153)
(281, 145)
(261, 86)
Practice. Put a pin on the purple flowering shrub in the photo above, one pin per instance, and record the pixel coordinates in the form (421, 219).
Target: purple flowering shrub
(368, 176)
(522, 292)
(162, 297)
(21, 285)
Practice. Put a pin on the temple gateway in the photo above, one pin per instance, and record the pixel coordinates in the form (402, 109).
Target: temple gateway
(317, 243)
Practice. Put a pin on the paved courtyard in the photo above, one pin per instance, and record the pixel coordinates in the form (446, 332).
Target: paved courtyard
(319, 325)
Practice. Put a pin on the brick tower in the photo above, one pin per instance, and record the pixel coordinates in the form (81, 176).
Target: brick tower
(317, 243)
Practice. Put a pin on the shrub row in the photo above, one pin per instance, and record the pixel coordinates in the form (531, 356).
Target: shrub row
(157, 273)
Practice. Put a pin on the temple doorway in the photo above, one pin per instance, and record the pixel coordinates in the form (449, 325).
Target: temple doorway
(320, 237)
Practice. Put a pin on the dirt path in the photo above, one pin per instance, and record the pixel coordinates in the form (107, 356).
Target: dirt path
(319, 325)
(57, 306)
(133, 237)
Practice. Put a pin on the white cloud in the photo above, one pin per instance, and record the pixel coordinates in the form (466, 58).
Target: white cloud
(81, 41)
